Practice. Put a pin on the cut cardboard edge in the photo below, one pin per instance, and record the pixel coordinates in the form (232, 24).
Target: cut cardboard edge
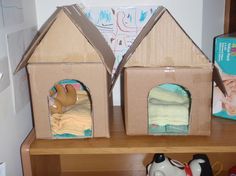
(169, 46)
(142, 93)
(199, 49)
(144, 32)
(36, 40)
(216, 77)
(92, 34)
(218, 80)
(146, 29)
(98, 94)
(89, 31)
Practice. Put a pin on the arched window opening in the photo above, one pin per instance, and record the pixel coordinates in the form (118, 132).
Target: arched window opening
(169, 110)
(70, 110)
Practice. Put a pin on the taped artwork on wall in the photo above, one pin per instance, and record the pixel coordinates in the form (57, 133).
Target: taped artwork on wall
(120, 25)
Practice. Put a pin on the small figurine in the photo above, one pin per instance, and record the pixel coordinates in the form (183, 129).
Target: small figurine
(164, 166)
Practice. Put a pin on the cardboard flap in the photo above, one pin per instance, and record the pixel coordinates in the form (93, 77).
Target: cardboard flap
(38, 37)
(56, 47)
(218, 80)
(93, 35)
(167, 44)
(86, 28)
(146, 29)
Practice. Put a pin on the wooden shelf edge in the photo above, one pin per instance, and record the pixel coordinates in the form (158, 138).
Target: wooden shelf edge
(25, 153)
(108, 173)
(221, 140)
(134, 150)
(115, 173)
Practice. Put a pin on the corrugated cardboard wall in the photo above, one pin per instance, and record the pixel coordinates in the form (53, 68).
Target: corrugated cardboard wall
(64, 43)
(167, 45)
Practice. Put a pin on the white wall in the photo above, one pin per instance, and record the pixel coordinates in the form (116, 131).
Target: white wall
(213, 23)
(13, 130)
(14, 125)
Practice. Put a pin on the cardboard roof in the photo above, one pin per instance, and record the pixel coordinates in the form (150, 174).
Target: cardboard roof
(68, 36)
(163, 43)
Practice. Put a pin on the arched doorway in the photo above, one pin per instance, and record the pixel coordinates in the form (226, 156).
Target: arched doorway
(70, 110)
(168, 110)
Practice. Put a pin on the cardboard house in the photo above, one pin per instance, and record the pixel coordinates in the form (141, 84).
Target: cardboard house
(163, 55)
(69, 49)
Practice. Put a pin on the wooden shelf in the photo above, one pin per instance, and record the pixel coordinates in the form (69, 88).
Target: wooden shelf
(111, 173)
(115, 173)
(221, 140)
(126, 155)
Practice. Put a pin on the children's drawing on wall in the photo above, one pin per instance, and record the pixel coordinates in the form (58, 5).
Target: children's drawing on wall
(168, 109)
(70, 110)
(120, 26)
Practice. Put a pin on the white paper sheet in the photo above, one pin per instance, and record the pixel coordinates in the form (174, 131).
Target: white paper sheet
(12, 12)
(1, 15)
(4, 74)
(17, 44)
(2, 169)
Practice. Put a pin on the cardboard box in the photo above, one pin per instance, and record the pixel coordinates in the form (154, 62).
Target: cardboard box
(69, 46)
(147, 78)
(164, 54)
(225, 60)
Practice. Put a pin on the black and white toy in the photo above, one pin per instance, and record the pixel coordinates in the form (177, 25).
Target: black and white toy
(164, 166)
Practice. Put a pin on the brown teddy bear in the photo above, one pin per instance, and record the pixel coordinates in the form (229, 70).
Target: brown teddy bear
(64, 98)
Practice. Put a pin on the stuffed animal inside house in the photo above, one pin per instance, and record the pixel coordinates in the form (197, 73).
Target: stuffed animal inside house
(62, 98)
